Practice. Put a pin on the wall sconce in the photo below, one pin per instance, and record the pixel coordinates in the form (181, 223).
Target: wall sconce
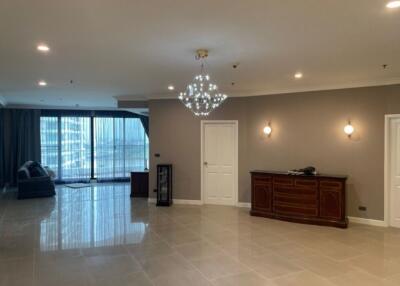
(267, 130)
(348, 129)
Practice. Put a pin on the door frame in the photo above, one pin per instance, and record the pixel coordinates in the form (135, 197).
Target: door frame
(235, 124)
(387, 168)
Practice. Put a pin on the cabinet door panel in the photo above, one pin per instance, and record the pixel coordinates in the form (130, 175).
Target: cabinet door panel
(331, 203)
(262, 197)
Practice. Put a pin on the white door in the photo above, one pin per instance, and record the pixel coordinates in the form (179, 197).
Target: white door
(219, 162)
(394, 158)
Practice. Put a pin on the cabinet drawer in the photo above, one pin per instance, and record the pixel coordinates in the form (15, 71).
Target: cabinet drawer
(302, 211)
(308, 201)
(306, 183)
(262, 179)
(330, 184)
(283, 181)
(293, 191)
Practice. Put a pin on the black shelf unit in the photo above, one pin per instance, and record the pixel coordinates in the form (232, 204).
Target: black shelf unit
(164, 185)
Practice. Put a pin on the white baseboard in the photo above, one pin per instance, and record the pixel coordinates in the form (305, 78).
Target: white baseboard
(243, 205)
(367, 221)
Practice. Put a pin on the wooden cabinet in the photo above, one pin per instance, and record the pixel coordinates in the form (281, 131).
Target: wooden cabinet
(140, 184)
(262, 194)
(331, 199)
(316, 200)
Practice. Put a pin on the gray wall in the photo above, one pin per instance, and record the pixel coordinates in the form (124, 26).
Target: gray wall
(307, 130)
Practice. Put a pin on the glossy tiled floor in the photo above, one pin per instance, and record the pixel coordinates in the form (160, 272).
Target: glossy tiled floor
(99, 236)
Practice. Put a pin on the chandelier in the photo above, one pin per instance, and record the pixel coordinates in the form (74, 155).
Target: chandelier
(201, 95)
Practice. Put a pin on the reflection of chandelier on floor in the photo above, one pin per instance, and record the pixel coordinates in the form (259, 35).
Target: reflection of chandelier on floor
(201, 95)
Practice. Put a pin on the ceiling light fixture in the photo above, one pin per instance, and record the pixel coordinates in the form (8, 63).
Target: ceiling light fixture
(201, 95)
(171, 87)
(43, 48)
(393, 4)
(298, 75)
(42, 83)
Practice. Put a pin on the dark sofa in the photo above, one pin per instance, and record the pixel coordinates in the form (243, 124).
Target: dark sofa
(34, 181)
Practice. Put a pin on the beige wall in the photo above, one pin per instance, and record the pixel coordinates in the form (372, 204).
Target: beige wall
(307, 130)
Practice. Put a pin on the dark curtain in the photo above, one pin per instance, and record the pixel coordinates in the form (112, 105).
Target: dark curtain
(145, 123)
(2, 170)
(20, 140)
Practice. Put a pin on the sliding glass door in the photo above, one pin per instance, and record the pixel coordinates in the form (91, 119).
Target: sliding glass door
(119, 145)
(49, 143)
(108, 148)
(75, 148)
(136, 146)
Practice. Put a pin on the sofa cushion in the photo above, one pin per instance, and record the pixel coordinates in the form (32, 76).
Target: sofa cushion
(23, 173)
(36, 170)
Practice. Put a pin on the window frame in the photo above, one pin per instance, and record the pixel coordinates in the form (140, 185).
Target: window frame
(93, 116)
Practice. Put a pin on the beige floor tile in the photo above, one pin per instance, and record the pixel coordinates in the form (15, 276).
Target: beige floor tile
(145, 237)
(100, 236)
(244, 228)
(291, 250)
(190, 219)
(244, 249)
(376, 265)
(134, 279)
(206, 227)
(105, 267)
(167, 229)
(180, 237)
(379, 250)
(323, 266)
(271, 266)
(185, 278)
(198, 250)
(359, 278)
(266, 240)
(172, 264)
(221, 237)
(16, 272)
(394, 279)
(104, 251)
(336, 250)
(243, 279)
(142, 253)
(16, 247)
(221, 265)
(304, 278)
(60, 269)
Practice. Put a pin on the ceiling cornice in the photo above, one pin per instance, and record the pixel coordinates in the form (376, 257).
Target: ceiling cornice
(361, 84)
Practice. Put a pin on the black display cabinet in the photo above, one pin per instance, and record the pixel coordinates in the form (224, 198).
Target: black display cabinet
(164, 185)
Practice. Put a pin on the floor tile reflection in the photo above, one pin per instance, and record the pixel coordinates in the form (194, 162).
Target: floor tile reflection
(100, 236)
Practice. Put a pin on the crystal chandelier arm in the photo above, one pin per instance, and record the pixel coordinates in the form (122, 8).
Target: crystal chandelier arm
(201, 95)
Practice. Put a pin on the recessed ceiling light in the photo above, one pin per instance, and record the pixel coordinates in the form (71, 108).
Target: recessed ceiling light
(298, 75)
(171, 87)
(43, 48)
(42, 83)
(393, 4)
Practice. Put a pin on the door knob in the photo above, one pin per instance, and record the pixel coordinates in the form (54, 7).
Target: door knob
(205, 163)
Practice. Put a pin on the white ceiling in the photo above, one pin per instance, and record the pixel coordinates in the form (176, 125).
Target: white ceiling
(135, 49)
